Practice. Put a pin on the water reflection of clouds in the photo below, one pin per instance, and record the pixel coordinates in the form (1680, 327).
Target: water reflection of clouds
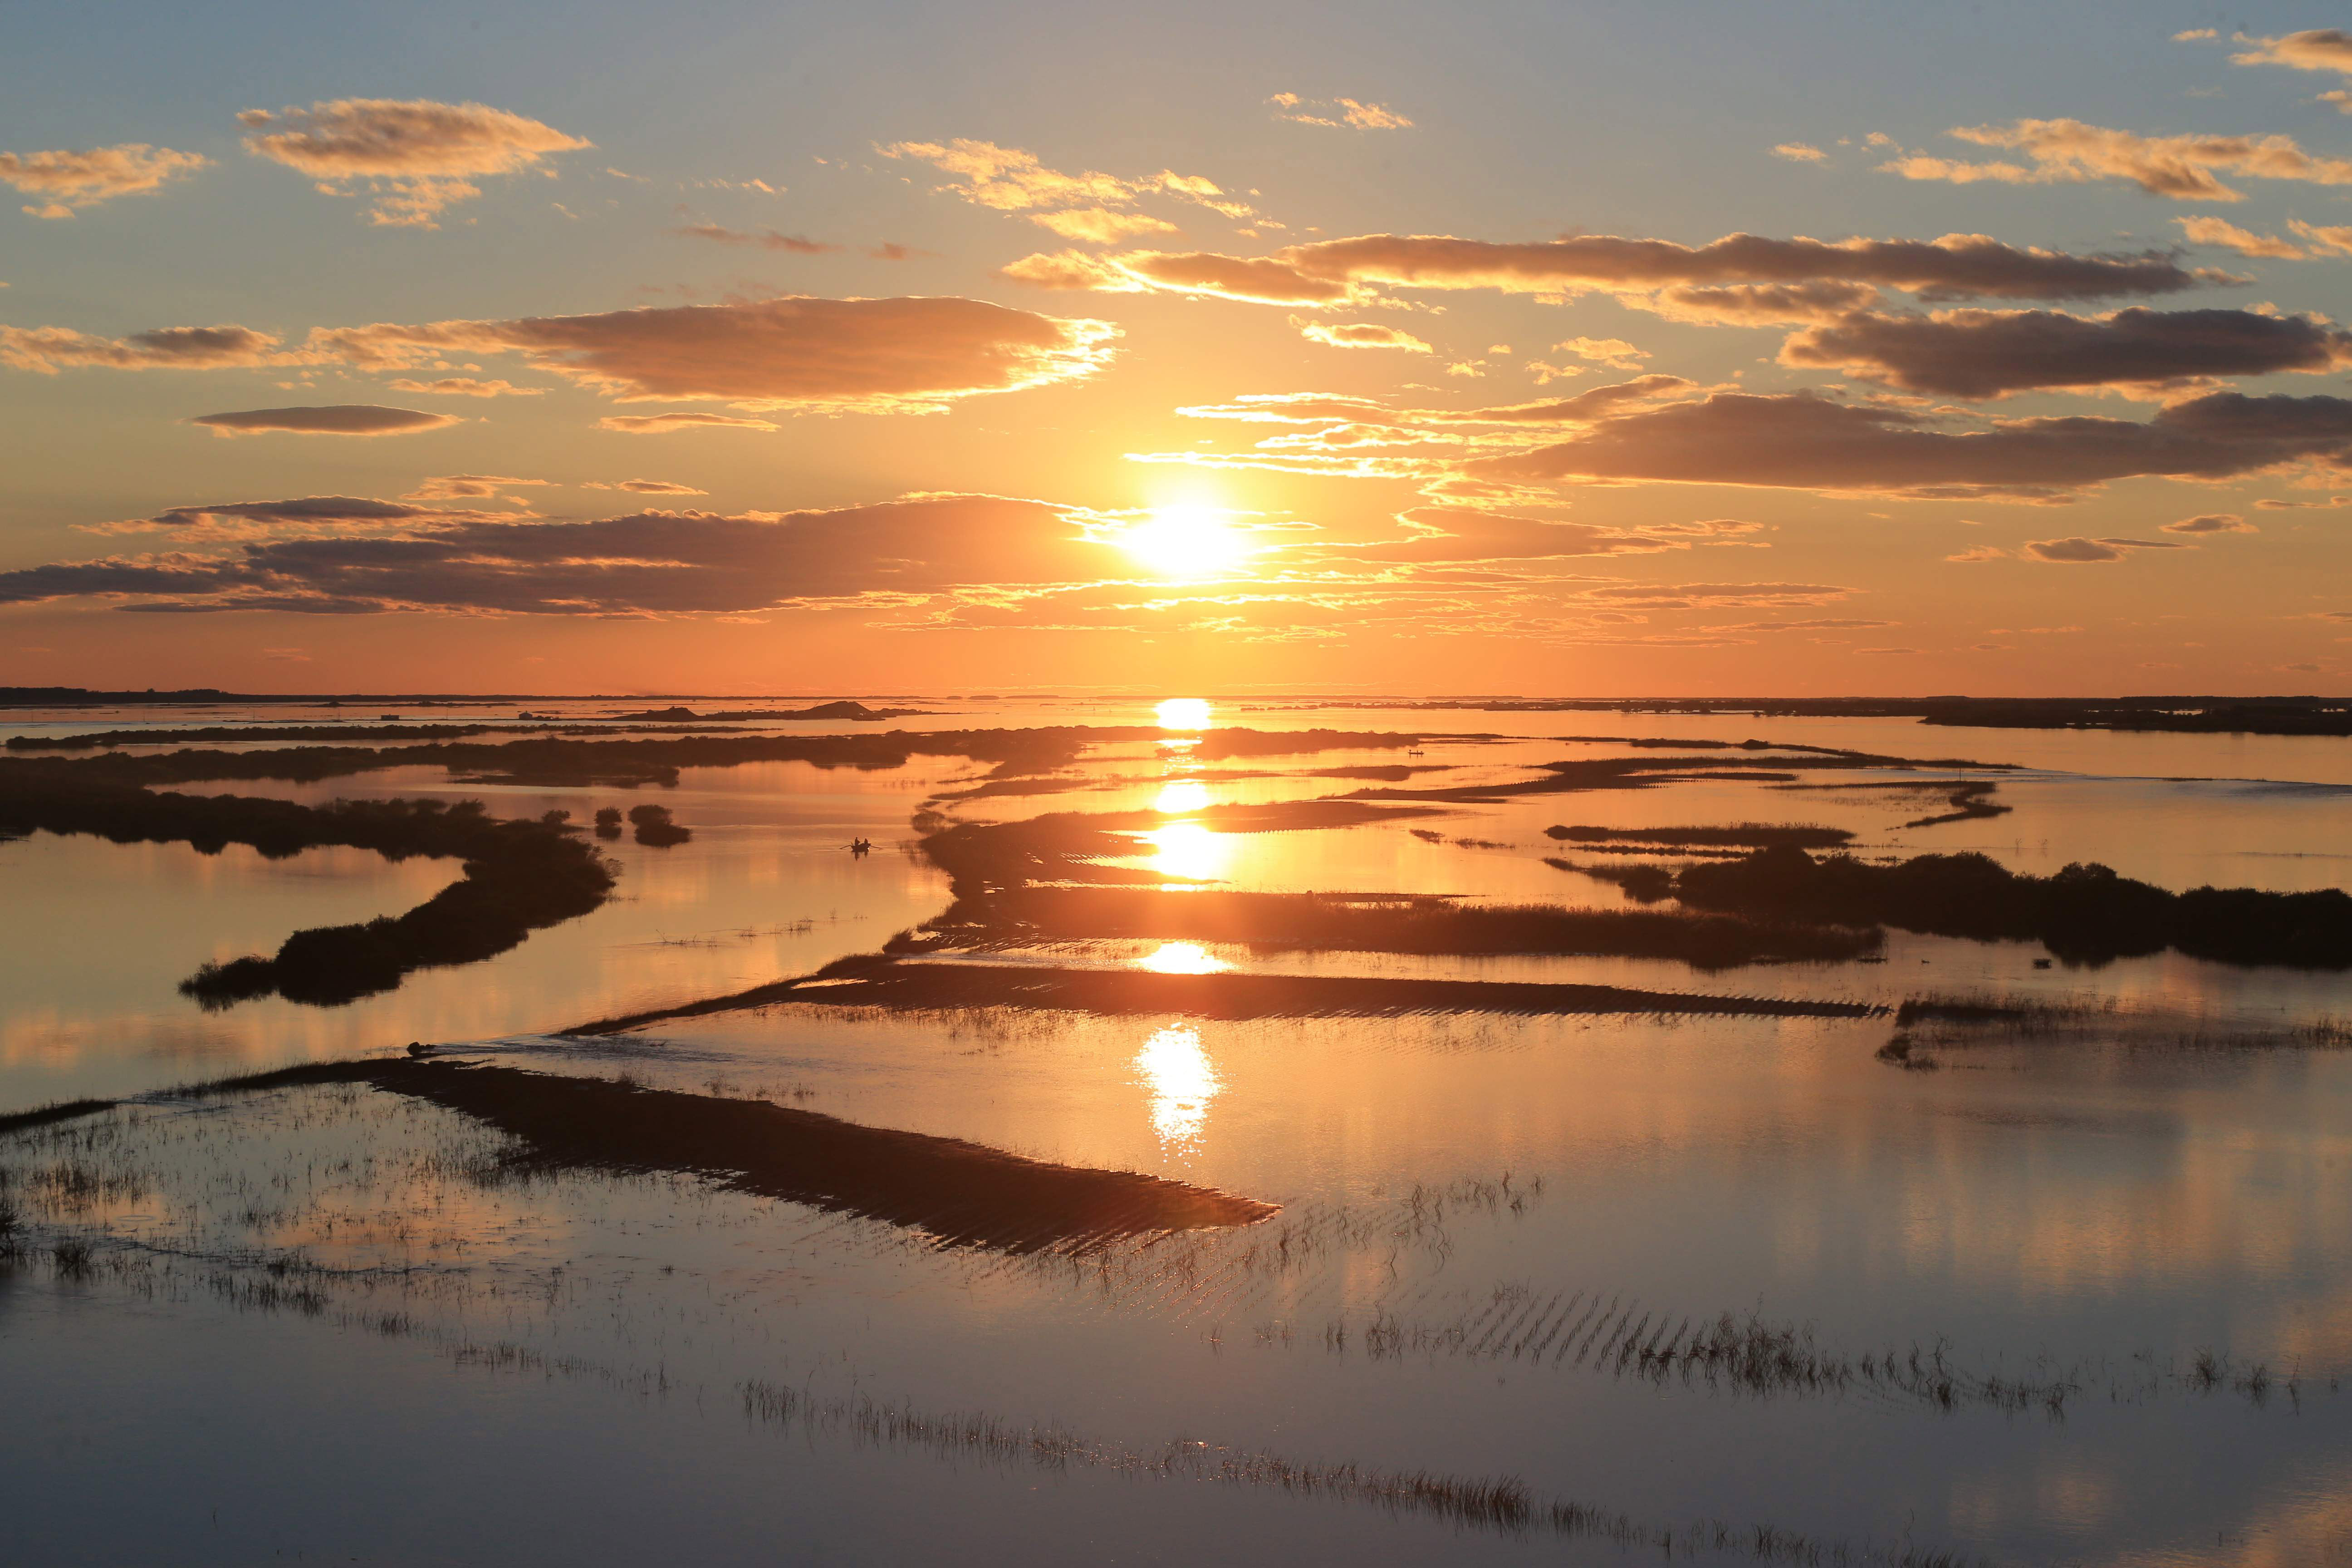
(1183, 1080)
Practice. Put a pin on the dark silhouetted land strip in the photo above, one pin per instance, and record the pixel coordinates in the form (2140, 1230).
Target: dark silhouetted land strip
(559, 759)
(1065, 846)
(1740, 836)
(518, 876)
(854, 712)
(1374, 923)
(330, 734)
(1649, 773)
(2085, 914)
(2300, 715)
(870, 983)
(964, 1193)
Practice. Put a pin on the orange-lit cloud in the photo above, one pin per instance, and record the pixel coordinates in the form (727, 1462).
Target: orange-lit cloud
(326, 419)
(2077, 551)
(653, 562)
(467, 487)
(645, 488)
(766, 239)
(1008, 179)
(2182, 167)
(1358, 335)
(63, 182)
(1337, 113)
(48, 350)
(315, 515)
(2230, 236)
(666, 424)
(2212, 523)
(418, 157)
(1327, 272)
(2313, 49)
(467, 386)
(1988, 354)
(868, 355)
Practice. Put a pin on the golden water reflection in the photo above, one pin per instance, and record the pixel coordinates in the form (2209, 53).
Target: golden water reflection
(1183, 958)
(1189, 850)
(1183, 1080)
(1179, 796)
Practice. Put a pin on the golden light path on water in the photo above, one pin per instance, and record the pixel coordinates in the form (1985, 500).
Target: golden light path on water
(1179, 797)
(1189, 851)
(1183, 958)
(1182, 1080)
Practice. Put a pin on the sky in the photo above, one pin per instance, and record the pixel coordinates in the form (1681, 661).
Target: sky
(1552, 349)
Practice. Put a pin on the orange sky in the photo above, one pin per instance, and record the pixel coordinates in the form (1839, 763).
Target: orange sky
(774, 352)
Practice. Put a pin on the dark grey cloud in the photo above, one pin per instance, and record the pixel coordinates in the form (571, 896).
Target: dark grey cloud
(2076, 550)
(650, 562)
(1801, 441)
(326, 419)
(1985, 353)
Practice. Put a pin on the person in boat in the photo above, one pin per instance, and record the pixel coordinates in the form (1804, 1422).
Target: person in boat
(860, 845)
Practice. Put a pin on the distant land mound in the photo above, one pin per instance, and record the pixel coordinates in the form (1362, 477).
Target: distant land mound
(822, 710)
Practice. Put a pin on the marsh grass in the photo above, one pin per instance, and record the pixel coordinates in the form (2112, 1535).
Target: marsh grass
(1497, 1505)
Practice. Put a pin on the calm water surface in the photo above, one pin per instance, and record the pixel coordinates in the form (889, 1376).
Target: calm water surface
(2079, 1298)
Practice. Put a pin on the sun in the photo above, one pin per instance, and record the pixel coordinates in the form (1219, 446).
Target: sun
(1187, 541)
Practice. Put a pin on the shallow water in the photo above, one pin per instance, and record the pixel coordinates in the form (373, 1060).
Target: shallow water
(2083, 1297)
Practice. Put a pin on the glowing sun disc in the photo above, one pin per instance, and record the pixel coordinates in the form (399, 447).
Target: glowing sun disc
(1184, 713)
(1189, 542)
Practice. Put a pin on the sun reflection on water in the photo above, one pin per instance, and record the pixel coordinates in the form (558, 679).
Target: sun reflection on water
(1184, 713)
(1183, 958)
(1189, 850)
(1180, 795)
(1183, 1080)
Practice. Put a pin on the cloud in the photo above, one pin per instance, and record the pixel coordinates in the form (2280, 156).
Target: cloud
(417, 157)
(1979, 553)
(664, 424)
(326, 419)
(2194, 34)
(1358, 335)
(647, 488)
(1100, 226)
(467, 487)
(652, 562)
(1329, 272)
(2182, 167)
(1988, 354)
(766, 239)
(2335, 238)
(1802, 441)
(1010, 180)
(1756, 304)
(2315, 50)
(1337, 113)
(66, 182)
(1615, 352)
(1800, 152)
(48, 350)
(304, 514)
(903, 355)
(2212, 523)
(2077, 551)
(1453, 534)
(467, 386)
(2230, 236)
